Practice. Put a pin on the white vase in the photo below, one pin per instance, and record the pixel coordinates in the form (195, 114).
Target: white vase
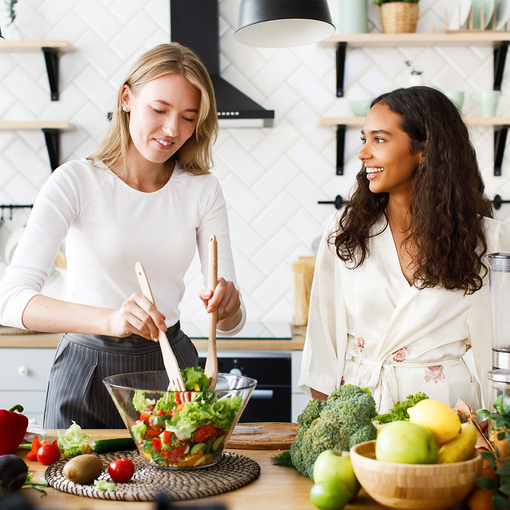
(415, 80)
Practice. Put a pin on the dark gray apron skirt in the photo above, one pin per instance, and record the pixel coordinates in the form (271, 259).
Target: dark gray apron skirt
(75, 389)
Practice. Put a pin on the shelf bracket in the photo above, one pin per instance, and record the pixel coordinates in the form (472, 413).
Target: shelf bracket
(500, 133)
(52, 137)
(500, 51)
(51, 57)
(340, 68)
(340, 148)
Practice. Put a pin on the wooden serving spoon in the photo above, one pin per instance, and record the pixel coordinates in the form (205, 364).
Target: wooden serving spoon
(211, 364)
(171, 365)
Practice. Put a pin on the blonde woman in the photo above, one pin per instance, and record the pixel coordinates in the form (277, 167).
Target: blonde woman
(146, 194)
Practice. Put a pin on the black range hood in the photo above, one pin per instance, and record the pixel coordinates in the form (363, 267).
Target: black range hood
(195, 24)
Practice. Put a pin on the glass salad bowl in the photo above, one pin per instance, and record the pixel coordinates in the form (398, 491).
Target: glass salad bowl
(179, 429)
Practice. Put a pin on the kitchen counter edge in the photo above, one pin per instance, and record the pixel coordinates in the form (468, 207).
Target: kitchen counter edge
(50, 340)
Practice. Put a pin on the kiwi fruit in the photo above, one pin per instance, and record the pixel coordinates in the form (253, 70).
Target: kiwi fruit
(83, 469)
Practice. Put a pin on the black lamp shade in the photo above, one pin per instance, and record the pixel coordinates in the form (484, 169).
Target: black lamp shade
(283, 23)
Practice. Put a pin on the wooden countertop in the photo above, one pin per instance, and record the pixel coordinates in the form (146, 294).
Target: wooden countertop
(19, 339)
(276, 488)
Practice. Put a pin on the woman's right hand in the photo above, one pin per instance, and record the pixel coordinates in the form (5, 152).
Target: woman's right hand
(138, 316)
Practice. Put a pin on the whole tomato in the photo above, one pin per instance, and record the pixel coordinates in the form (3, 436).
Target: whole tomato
(121, 470)
(48, 453)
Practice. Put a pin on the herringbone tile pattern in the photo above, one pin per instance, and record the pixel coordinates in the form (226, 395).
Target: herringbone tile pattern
(272, 178)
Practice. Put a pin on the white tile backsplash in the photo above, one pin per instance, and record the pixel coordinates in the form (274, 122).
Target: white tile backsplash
(273, 177)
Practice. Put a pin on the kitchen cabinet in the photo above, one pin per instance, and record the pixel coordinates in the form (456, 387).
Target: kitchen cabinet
(498, 40)
(23, 379)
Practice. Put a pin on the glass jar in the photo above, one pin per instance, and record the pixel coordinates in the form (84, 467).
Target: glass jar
(499, 380)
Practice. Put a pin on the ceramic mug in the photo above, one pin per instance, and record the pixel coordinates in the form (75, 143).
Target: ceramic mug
(488, 101)
(349, 16)
(456, 97)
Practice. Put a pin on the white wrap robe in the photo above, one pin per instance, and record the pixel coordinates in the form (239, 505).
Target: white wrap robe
(369, 327)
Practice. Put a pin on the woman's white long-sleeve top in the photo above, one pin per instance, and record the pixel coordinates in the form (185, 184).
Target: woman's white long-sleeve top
(369, 327)
(108, 227)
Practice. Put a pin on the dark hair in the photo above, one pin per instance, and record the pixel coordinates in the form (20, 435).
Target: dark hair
(448, 202)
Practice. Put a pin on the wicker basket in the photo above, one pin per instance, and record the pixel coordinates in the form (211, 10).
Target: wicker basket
(399, 17)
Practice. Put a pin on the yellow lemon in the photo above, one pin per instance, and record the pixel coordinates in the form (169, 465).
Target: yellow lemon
(440, 419)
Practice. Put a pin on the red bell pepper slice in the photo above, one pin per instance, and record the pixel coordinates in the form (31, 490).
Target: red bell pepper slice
(156, 442)
(36, 444)
(160, 413)
(13, 426)
(167, 436)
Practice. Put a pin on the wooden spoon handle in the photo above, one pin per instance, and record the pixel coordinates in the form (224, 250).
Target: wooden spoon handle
(211, 365)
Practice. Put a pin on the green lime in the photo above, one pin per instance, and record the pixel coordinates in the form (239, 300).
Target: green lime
(330, 495)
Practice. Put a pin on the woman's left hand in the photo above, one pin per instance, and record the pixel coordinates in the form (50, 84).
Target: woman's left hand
(225, 299)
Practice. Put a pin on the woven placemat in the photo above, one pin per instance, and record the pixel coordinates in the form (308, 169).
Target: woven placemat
(231, 472)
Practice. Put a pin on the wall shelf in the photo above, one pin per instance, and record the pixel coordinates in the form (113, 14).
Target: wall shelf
(501, 125)
(499, 40)
(51, 130)
(51, 50)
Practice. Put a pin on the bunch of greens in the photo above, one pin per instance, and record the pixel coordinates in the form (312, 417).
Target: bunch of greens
(501, 423)
(399, 411)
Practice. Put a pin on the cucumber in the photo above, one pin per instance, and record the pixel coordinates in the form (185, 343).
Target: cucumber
(197, 447)
(113, 445)
(217, 443)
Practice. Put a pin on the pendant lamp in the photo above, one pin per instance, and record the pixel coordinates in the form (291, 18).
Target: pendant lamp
(283, 23)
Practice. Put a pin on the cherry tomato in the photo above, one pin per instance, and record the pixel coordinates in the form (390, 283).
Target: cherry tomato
(121, 470)
(48, 454)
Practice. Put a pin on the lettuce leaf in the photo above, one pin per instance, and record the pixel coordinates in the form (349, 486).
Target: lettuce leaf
(73, 441)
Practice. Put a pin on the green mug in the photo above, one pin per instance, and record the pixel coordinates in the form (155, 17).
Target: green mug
(488, 101)
(456, 97)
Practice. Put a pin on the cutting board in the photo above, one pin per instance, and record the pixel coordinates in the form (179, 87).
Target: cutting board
(263, 436)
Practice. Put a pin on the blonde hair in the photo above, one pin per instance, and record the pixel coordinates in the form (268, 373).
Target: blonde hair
(172, 58)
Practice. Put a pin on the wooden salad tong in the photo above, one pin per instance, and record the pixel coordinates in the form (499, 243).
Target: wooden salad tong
(171, 365)
(211, 364)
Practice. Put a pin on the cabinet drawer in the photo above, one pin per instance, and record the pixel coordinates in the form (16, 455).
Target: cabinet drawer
(25, 369)
(32, 401)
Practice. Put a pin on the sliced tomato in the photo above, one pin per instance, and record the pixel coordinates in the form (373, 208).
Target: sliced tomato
(152, 432)
(160, 413)
(176, 455)
(204, 433)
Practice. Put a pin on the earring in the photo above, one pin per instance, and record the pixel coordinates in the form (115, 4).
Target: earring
(124, 109)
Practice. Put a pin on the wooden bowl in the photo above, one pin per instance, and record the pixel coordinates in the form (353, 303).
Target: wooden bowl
(414, 486)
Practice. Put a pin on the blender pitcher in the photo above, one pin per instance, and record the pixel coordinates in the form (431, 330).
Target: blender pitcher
(499, 274)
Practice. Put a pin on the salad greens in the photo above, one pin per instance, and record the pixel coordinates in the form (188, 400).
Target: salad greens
(73, 441)
(103, 485)
(185, 429)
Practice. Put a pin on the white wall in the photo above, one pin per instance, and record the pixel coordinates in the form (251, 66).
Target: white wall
(272, 177)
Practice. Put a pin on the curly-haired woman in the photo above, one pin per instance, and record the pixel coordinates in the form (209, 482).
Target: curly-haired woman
(146, 194)
(402, 266)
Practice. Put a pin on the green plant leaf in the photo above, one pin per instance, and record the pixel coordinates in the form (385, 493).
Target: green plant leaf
(503, 470)
(485, 483)
(500, 501)
(489, 456)
(505, 489)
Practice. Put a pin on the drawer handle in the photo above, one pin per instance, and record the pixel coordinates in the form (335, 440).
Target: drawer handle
(262, 394)
(23, 371)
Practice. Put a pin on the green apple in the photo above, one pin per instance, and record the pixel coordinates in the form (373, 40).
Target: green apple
(330, 495)
(332, 464)
(406, 443)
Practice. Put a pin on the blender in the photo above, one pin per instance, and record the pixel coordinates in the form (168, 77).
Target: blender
(499, 377)
(499, 274)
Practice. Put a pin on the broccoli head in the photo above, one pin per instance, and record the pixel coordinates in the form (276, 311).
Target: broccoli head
(341, 422)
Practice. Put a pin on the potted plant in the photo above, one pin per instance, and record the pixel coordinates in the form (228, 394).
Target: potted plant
(498, 485)
(398, 17)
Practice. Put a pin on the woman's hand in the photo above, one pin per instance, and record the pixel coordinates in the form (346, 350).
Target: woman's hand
(138, 316)
(225, 299)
